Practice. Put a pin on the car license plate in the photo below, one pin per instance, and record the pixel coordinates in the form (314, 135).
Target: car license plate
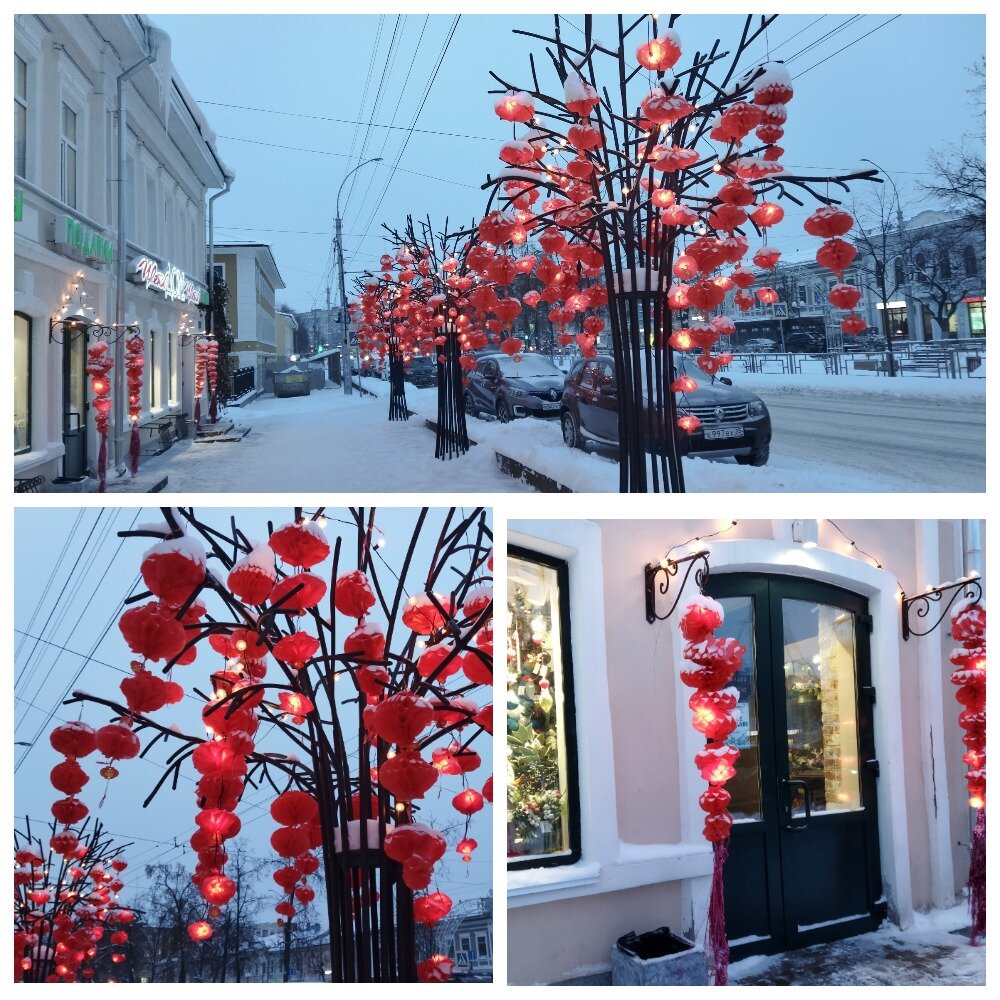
(550, 406)
(721, 433)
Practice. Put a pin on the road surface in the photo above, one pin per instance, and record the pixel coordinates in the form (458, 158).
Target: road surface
(925, 444)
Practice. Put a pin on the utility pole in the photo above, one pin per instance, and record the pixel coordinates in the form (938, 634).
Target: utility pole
(345, 349)
(326, 325)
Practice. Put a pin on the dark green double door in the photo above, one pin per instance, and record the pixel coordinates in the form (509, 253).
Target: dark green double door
(804, 859)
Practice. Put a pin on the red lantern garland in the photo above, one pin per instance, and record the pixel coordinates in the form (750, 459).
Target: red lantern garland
(134, 363)
(968, 627)
(715, 661)
(200, 376)
(99, 365)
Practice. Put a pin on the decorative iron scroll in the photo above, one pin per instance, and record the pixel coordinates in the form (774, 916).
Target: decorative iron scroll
(74, 326)
(937, 600)
(658, 579)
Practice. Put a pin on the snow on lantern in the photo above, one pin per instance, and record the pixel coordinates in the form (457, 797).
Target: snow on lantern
(828, 221)
(417, 848)
(578, 95)
(766, 257)
(515, 106)
(843, 296)
(715, 662)
(436, 969)
(217, 890)
(968, 627)
(659, 54)
(772, 85)
(73, 739)
(174, 570)
(426, 613)
(301, 544)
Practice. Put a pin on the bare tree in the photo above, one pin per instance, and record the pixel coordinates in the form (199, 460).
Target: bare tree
(171, 903)
(942, 275)
(959, 171)
(881, 239)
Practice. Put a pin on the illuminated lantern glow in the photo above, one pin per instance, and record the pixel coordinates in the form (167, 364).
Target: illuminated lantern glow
(429, 910)
(768, 296)
(217, 889)
(515, 106)
(465, 847)
(468, 801)
(685, 267)
(683, 383)
(659, 54)
(767, 214)
(200, 930)
(423, 613)
(296, 648)
(688, 422)
(436, 969)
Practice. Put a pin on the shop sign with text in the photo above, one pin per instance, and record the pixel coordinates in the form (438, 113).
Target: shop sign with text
(171, 281)
(73, 235)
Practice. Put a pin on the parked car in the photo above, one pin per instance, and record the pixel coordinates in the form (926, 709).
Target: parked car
(759, 345)
(733, 421)
(870, 343)
(421, 371)
(531, 386)
(805, 343)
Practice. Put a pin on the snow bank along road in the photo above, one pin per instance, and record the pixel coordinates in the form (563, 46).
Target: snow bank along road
(924, 443)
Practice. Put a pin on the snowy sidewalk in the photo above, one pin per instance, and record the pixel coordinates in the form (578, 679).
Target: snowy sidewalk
(935, 951)
(327, 441)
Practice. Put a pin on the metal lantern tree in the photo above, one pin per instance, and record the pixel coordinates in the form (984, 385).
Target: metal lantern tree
(379, 305)
(656, 165)
(66, 887)
(344, 697)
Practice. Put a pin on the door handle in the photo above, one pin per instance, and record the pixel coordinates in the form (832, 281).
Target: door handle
(789, 784)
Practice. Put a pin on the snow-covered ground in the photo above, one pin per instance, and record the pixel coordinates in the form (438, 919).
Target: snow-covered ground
(323, 442)
(831, 434)
(935, 951)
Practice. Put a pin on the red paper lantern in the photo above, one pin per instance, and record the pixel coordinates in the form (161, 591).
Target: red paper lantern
(465, 847)
(311, 591)
(843, 296)
(836, 255)
(68, 777)
(152, 631)
(407, 776)
(436, 969)
(294, 808)
(400, 718)
(515, 106)
(117, 742)
(767, 214)
(69, 811)
(301, 544)
(200, 930)
(289, 841)
(366, 642)
(829, 221)
(661, 53)
(217, 889)
(252, 578)
(73, 739)
(353, 595)
(174, 570)
(295, 649)
(429, 910)
(287, 878)
(468, 801)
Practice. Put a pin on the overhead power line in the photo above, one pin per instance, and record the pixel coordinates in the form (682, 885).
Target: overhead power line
(848, 45)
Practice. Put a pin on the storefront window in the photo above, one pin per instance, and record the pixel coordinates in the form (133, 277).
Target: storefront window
(977, 319)
(22, 383)
(20, 117)
(68, 157)
(542, 802)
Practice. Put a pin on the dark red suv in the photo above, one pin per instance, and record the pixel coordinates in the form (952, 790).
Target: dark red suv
(733, 421)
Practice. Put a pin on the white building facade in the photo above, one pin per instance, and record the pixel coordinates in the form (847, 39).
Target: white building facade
(66, 231)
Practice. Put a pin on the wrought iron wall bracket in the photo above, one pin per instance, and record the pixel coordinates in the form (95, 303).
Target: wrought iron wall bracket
(937, 600)
(660, 574)
(74, 327)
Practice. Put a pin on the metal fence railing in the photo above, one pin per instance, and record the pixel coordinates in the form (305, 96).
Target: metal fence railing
(243, 381)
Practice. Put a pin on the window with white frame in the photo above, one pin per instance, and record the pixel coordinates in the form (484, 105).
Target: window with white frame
(152, 214)
(20, 117)
(543, 825)
(130, 196)
(68, 166)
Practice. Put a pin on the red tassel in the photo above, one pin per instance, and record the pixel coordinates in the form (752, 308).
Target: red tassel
(716, 942)
(977, 879)
(197, 412)
(133, 449)
(102, 464)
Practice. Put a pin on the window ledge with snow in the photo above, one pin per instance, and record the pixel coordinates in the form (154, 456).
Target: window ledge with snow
(524, 886)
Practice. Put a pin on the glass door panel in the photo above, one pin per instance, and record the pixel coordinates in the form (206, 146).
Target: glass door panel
(821, 707)
(745, 787)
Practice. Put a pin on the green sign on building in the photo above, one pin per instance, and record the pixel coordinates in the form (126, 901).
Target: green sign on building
(18, 204)
(85, 241)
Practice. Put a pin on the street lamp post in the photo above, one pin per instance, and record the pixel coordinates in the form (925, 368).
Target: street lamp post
(345, 349)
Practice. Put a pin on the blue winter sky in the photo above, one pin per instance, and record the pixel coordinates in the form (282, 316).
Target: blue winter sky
(302, 81)
(71, 574)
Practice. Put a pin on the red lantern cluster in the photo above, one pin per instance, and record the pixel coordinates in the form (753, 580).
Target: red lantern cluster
(202, 362)
(99, 366)
(298, 833)
(134, 363)
(64, 908)
(829, 223)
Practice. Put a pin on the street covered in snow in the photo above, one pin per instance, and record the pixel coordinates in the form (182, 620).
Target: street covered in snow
(831, 434)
